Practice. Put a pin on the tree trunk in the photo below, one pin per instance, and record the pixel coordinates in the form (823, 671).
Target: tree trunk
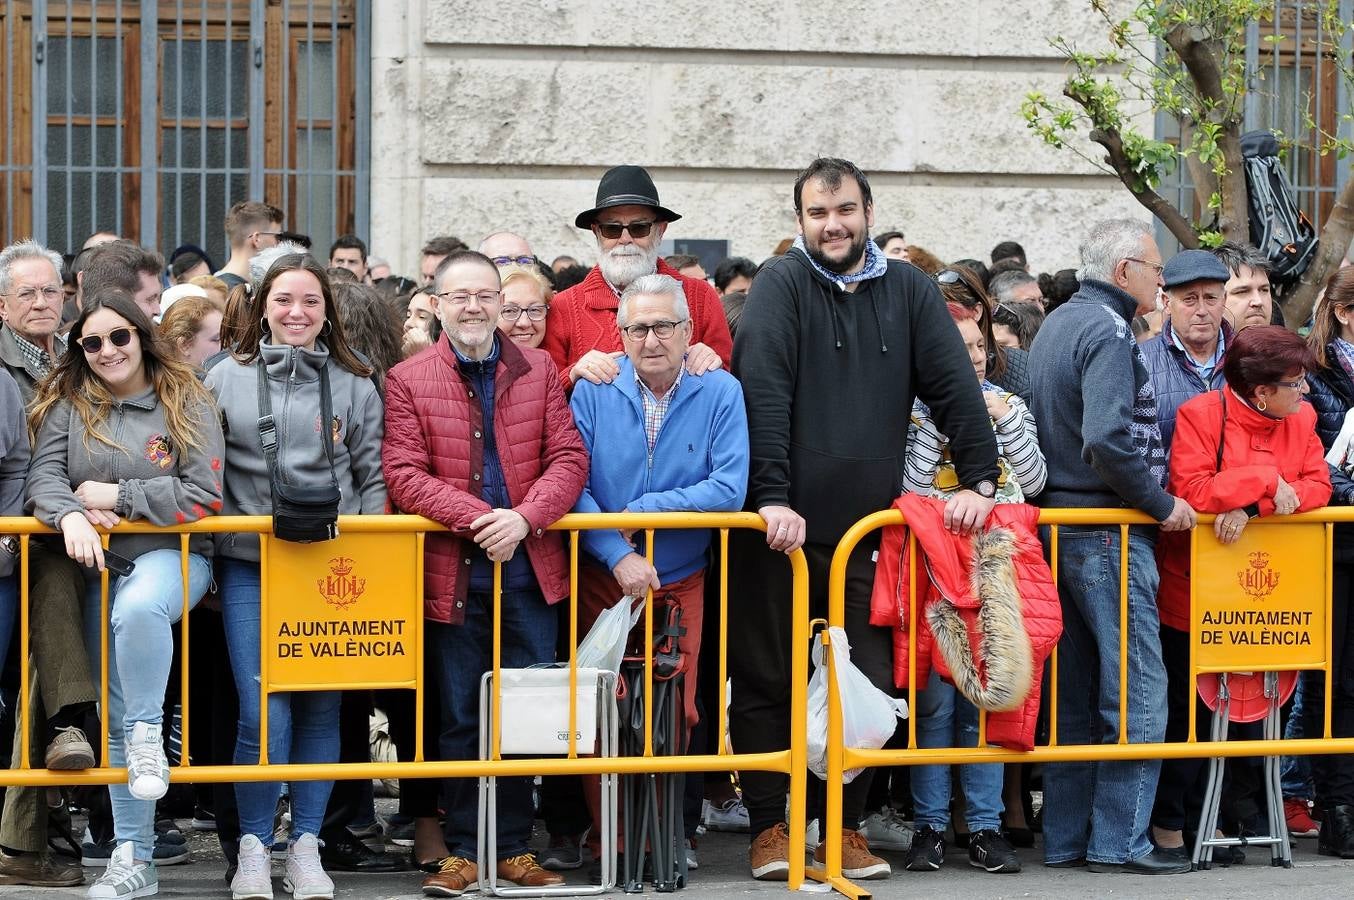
(1234, 218)
(1335, 237)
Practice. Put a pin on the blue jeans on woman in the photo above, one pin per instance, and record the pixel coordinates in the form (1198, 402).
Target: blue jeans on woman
(142, 608)
(1099, 811)
(939, 709)
(303, 727)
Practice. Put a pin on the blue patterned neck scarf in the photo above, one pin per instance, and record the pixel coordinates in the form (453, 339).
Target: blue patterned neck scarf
(875, 264)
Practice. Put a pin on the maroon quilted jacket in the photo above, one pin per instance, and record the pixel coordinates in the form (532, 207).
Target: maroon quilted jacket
(433, 457)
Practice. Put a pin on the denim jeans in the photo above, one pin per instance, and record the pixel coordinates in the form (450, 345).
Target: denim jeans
(303, 727)
(461, 655)
(142, 608)
(9, 612)
(1304, 721)
(939, 709)
(1100, 810)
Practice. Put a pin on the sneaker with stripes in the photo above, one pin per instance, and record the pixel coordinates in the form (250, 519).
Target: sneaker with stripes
(125, 877)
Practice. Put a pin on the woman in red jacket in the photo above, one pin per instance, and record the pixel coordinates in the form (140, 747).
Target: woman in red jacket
(1270, 461)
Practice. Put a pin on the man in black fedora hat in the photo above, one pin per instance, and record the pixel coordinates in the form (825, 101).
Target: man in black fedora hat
(628, 222)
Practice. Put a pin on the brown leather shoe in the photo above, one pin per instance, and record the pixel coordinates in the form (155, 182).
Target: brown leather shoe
(455, 876)
(524, 871)
(39, 870)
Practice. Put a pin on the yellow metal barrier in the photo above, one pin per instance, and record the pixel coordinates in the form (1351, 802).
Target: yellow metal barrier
(841, 758)
(791, 762)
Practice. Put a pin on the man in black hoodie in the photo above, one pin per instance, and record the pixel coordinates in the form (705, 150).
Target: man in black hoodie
(835, 342)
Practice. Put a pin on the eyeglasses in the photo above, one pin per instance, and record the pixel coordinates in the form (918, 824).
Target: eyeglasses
(612, 230)
(93, 343)
(949, 276)
(1155, 267)
(1295, 385)
(661, 330)
(520, 260)
(513, 313)
(276, 235)
(461, 298)
(51, 293)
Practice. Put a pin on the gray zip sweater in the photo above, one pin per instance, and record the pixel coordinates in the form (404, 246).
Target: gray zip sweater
(13, 458)
(294, 383)
(157, 482)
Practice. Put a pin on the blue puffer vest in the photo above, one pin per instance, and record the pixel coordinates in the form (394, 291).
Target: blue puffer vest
(1174, 379)
(1331, 395)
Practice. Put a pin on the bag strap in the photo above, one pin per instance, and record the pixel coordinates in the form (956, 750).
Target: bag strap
(1222, 432)
(268, 425)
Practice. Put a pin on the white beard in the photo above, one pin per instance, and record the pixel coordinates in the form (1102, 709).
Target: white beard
(624, 263)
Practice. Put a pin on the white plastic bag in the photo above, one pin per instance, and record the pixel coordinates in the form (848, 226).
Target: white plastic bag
(604, 645)
(869, 716)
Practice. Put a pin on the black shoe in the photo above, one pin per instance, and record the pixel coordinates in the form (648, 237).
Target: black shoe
(928, 850)
(1078, 863)
(1019, 837)
(1158, 862)
(990, 851)
(346, 853)
(1336, 837)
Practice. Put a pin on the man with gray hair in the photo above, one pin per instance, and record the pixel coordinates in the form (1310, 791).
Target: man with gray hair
(30, 304)
(661, 439)
(1016, 286)
(1097, 415)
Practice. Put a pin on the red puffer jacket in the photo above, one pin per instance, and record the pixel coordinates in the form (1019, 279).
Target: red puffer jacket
(991, 645)
(583, 318)
(433, 457)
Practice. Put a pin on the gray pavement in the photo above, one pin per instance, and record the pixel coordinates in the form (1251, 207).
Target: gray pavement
(723, 873)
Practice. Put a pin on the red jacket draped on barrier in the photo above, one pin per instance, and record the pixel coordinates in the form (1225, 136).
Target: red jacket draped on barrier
(990, 613)
(433, 458)
(1256, 452)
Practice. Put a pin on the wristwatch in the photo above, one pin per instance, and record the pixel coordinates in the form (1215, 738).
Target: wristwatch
(10, 544)
(985, 488)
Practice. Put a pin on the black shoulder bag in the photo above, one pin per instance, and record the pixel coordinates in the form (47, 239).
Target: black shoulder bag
(301, 513)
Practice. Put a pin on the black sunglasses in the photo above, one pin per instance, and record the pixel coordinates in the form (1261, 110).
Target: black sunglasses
(612, 230)
(119, 337)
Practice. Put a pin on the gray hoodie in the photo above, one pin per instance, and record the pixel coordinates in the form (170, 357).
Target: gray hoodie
(294, 382)
(156, 482)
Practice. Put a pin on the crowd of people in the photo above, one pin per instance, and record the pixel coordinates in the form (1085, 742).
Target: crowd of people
(847, 373)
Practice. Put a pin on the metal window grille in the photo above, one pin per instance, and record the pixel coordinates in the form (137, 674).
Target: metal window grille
(151, 119)
(1288, 80)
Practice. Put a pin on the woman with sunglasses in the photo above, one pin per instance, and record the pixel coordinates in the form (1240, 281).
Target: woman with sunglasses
(1007, 367)
(526, 303)
(123, 430)
(293, 345)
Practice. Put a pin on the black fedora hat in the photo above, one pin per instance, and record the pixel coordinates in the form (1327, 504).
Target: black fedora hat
(625, 186)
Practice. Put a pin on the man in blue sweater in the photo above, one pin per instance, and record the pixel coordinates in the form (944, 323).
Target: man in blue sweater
(1097, 416)
(661, 440)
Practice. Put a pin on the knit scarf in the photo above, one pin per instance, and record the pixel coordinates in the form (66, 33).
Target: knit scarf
(875, 264)
(1344, 355)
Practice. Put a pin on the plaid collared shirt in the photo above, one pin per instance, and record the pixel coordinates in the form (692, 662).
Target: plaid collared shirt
(655, 410)
(38, 361)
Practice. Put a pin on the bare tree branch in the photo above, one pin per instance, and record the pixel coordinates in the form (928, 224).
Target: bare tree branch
(1156, 204)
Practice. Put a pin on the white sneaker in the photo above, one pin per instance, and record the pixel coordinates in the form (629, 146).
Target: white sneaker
(811, 836)
(887, 830)
(147, 767)
(125, 877)
(305, 876)
(731, 816)
(253, 873)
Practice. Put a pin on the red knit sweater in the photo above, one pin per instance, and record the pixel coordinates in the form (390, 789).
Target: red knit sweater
(583, 318)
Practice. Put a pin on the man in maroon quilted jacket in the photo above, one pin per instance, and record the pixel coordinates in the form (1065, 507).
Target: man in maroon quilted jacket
(480, 438)
(628, 223)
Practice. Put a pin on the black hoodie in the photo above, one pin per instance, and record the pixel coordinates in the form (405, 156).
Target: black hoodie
(829, 377)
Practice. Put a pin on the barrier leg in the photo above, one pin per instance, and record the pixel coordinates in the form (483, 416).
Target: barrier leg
(1208, 821)
(1280, 851)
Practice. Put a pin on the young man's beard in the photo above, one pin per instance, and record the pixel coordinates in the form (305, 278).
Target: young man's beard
(853, 257)
(622, 269)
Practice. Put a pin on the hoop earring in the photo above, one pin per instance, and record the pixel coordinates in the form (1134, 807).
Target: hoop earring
(327, 328)
(263, 325)
(1261, 404)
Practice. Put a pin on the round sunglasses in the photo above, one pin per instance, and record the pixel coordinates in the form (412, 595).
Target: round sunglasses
(118, 337)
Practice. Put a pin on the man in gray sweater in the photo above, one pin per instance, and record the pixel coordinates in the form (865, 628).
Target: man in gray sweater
(1098, 429)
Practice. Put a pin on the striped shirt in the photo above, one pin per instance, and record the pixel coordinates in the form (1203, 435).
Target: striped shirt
(928, 469)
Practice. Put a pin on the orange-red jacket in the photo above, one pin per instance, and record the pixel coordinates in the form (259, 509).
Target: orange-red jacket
(1258, 450)
(990, 643)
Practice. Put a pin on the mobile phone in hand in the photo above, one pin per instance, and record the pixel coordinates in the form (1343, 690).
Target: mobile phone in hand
(118, 565)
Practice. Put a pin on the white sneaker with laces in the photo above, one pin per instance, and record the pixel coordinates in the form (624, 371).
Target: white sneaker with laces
(147, 767)
(254, 871)
(125, 877)
(730, 816)
(887, 830)
(305, 877)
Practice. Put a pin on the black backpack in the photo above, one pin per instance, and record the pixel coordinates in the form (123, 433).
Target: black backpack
(1279, 229)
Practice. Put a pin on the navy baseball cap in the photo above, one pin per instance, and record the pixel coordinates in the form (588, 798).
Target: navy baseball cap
(1194, 265)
